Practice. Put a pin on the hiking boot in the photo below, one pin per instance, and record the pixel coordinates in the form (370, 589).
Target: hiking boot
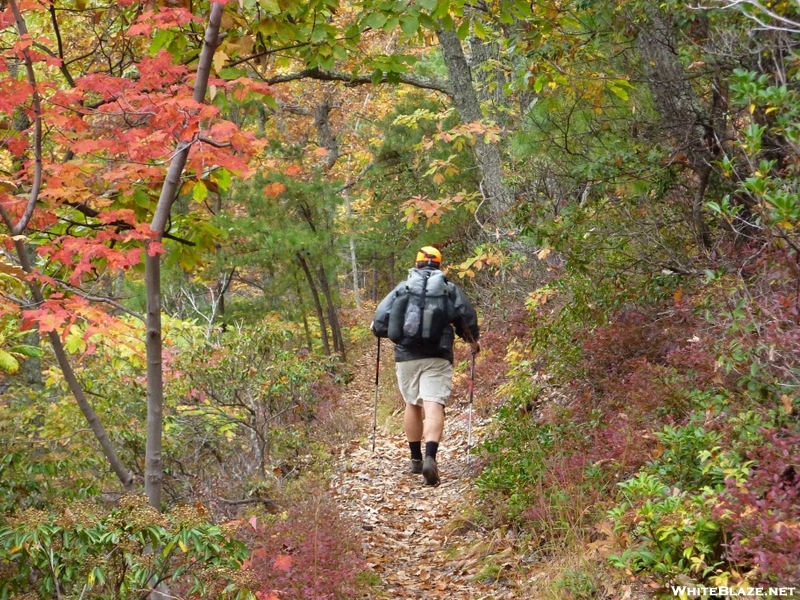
(429, 471)
(415, 466)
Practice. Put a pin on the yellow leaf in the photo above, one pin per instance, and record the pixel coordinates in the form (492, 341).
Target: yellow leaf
(8, 363)
(787, 404)
(438, 178)
(543, 253)
(186, 187)
(752, 108)
(183, 546)
(219, 60)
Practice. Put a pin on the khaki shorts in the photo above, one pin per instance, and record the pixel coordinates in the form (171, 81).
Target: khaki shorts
(425, 379)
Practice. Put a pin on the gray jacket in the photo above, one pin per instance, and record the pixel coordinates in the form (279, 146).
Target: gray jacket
(462, 321)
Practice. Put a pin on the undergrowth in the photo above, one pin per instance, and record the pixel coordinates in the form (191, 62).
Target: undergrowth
(662, 434)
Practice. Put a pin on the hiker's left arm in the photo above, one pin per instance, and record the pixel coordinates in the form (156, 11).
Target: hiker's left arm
(466, 319)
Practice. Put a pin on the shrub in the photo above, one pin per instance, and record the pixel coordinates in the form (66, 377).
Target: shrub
(761, 517)
(307, 553)
(82, 551)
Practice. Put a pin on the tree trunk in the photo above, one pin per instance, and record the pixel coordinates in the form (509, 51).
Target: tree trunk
(333, 318)
(691, 124)
(306, 328)
(465, 99)
(31, 369)
(374, 276)
(700, 227)
(317, 304)
(353, 261)
(154, 469)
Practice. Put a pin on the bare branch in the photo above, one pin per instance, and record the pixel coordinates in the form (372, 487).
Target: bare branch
(353, 80)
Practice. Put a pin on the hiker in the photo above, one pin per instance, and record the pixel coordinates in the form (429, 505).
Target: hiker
(421, 316)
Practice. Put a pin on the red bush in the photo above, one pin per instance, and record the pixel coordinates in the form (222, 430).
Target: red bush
(311, 554)
(762, 518)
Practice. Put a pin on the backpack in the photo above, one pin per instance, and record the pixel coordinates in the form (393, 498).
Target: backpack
(421, 310)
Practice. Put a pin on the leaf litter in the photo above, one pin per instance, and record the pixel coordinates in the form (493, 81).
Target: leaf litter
(402, 523)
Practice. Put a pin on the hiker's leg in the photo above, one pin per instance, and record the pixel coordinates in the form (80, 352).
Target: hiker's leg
(434, 422)
(432, 431)
(434, 387)
(412, 420)
(408, 382)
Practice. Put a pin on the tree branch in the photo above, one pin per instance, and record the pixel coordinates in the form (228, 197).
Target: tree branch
(37, 127)
(102, 299)
(90, 212)
(418, 81)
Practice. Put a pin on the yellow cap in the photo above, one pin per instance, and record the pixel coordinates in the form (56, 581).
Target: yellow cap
(429, 254)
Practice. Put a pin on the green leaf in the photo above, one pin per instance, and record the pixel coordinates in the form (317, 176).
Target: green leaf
(142, 198)
(161, 40)
(479, 29)
(327, 62)
(230, 74)
(223, 178)
(271, 6)
(539, 83)
(29, 351)
(199, 192)
(428, 5)
(8, 363)
(318, 35)
(447, 22)
(409, 25)
(377, 76)
(391, 24)
(621, 92)
(375, 21)
(463, 29)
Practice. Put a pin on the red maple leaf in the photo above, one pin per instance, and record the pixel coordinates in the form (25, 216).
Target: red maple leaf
(283, 562)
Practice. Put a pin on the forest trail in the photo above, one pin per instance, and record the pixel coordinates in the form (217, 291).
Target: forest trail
(408, 532)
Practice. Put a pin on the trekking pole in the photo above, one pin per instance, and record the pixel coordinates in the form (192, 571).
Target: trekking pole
(469, 426)
(375, 413)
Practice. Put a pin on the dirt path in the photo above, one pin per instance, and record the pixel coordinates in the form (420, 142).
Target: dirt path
(408, 531)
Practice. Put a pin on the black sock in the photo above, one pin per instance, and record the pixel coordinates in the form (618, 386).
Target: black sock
(431, 448)
(416, 450)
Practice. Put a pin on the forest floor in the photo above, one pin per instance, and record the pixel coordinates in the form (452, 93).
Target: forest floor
(421, 541)
(417, 539)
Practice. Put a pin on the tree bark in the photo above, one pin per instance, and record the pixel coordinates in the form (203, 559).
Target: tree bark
(353, 260)
(317, 304)
(374, 276)
(333, 318)
(465, 99)
(700, 227)
(691, 124)
(154, 468)
(306, 328)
